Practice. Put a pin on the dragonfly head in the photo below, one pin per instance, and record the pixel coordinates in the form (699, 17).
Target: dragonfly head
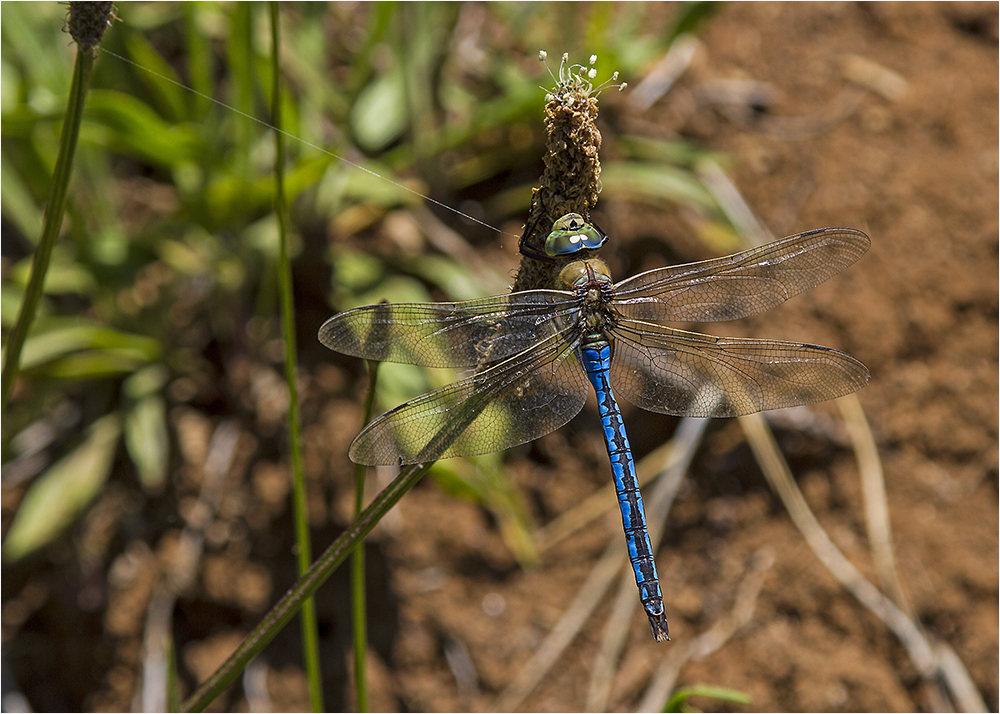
(584, 273)
(571, 234)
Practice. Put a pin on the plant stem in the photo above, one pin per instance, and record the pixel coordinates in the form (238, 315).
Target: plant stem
(53, 220)
(359, 612)
(286, 608)
(310, 633)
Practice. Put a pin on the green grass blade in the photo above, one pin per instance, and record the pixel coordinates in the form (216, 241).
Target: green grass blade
(310, 632)
(359, 611)
(173, 681)
(53, 220)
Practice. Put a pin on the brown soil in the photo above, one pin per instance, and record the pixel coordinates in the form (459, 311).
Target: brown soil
(918, 172)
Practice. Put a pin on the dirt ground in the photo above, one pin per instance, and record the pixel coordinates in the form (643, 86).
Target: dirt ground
(454, 618)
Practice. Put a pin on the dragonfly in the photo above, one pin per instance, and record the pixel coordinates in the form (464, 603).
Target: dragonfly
(535, 352)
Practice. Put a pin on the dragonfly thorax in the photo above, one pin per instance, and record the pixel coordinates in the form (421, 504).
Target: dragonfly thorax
(591, 273)
(591, 281)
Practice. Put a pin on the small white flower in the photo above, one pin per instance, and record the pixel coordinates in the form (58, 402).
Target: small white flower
(592, 73)
(593, 59)
(542, 54)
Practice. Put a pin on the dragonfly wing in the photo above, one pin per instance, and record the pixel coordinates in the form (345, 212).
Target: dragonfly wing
(513, 402)
(449, 334)
(689, 374)
(742, 284)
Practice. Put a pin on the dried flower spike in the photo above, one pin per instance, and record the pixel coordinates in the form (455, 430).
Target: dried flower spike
(88, 21)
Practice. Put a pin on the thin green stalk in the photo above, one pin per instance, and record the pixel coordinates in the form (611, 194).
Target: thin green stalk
(293, 600)
(310, 632)
(359, 612)
(337, 552)
(286, 608)
(315, 576)
(53, 220)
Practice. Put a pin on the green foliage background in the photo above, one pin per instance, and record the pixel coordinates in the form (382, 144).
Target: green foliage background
(166, 262)
(164, 278)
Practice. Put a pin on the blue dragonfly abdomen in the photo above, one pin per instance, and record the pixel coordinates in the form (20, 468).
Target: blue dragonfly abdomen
(595, 355)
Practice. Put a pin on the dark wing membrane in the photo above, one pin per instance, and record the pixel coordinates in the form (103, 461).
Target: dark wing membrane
(689, 374)
(513, 402)
(450, 334)
(742, 284)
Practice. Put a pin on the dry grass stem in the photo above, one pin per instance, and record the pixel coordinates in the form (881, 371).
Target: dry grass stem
(876, 501)
(732, 203)
(919, 646)
(666, 72)
(597, 504)
(685, 442)
(713, 639)
(569, 625)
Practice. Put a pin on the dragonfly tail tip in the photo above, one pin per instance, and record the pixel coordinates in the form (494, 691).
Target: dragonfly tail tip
(658, 625)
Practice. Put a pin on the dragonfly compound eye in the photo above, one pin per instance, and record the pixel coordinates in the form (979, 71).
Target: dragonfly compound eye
(571, 234)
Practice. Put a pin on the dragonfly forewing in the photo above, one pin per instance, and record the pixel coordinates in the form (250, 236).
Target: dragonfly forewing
(742, 284)
(449, 334)
(529, 349)
(690, 374)
(511, 403)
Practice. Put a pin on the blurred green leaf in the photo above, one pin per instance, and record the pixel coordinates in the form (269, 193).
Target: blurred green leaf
(655, 183)
(125, 124)
(242, 78)
(28, 31)
(401, 382)
(678, 153)
(62, 492)
(65, 274)
(361, 279)
(171, 97)
(355, 271)
(146, 382)
(174, 698)
(454, 278)
(719, 236)
(482, 479)
(18, 205)
(691, 16)
(378, 117)
(678, 701)
(10, 304)
(94, 364)
(362, 185)
(56, 340)
(199, 56)
(148, 441)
